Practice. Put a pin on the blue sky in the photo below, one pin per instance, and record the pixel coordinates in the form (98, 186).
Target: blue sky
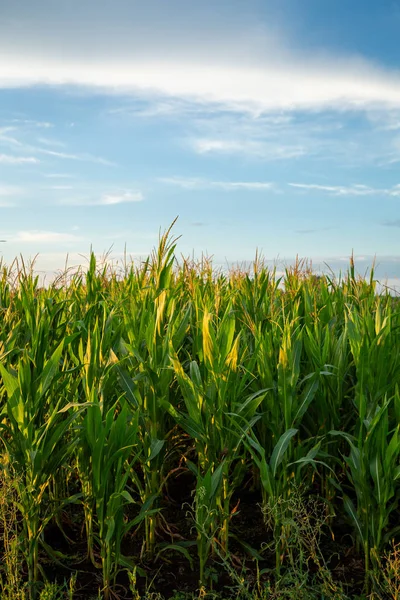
(269, 124)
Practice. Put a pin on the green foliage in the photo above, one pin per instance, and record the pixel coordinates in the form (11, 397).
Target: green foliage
(113, 383)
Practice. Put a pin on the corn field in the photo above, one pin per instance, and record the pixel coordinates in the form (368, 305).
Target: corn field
(169, 414)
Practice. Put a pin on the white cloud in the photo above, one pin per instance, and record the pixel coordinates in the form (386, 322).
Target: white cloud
(256, 148)
(24, 146)
(58, 154)
(108, 199)
(188, 183)
(5, 137)
(282, 136)
(59, 176)
(50, 142)
(162, 107)
(241, 60)
(279, 81)
(32, 123)
(121, 198)
(201, 113)
(79, 157)
(46, 237)
(8, 159)
(352, 190)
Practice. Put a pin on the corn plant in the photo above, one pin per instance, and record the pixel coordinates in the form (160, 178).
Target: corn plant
(113, 447)
(205, 514)
(151, 321)
(117, 379)
(374, 472)
(94, 360)
(35, 437)
(216, 397)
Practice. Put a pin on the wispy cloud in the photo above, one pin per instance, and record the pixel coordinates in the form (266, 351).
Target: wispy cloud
(6, 138)
(166, 108)
(121, 198)
(33, 123)
(18, 143)
(78, 157)
(51, 142)
(352, 190)
(8, 159)
(59, 176)
(188, 183)
(208, 116)
(260, 149)
(280, 136)
(46, 237)
(107, 199)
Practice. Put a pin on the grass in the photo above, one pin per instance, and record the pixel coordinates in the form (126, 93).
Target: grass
(171, 427)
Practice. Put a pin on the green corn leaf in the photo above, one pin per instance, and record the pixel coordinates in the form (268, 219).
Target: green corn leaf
(110, 530)
(351, 511)
(10, 381)
(155, 448)
(376, 473)
(305, 399)
(216, 479)
(280, 449)
(177, 547)
(51, 367)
